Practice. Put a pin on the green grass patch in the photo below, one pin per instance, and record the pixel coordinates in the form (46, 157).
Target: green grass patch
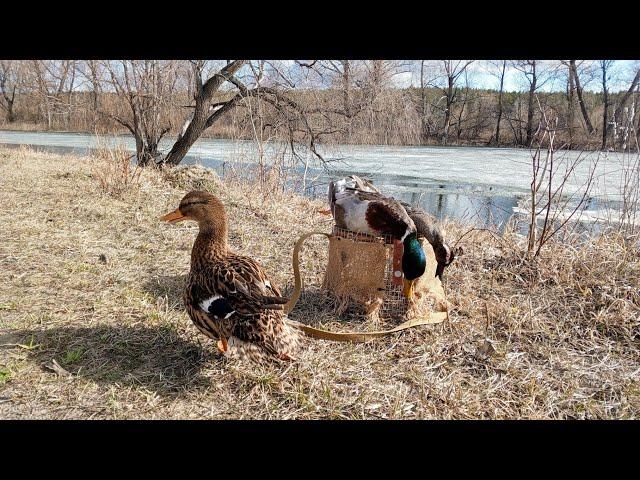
(73, 356)
(5, 373)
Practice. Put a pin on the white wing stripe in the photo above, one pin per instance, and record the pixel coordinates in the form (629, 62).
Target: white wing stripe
(205, 304)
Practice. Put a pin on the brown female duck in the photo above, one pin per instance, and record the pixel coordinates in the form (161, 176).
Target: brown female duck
(228, 296)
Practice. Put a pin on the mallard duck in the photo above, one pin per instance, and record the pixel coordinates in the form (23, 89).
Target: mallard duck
(372, 213)
(427, 227)
(229, 297)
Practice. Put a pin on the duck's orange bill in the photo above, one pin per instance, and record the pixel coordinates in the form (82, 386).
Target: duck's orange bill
(174, 216)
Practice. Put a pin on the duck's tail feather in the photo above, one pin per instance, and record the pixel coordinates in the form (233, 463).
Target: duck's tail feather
(284, 346)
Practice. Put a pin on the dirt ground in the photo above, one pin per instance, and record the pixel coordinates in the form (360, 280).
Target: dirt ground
(92, 323)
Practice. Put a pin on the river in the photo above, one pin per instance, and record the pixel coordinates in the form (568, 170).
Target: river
(481, 186)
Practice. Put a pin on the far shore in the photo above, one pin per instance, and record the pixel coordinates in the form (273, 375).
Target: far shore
(38, 128)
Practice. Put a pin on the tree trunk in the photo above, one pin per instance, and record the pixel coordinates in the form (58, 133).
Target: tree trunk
(583, 107)
(605, 111)
(11, 117)
(94, 92)
(346, 87)
(423, 94)
(201, 118)
(504, 66)
(346, 94)
(570, 102)
(532, 91)
(447, 113)
(184, 143)
(460, 115)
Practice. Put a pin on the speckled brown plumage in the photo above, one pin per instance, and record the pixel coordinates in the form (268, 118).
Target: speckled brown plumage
(228, 296)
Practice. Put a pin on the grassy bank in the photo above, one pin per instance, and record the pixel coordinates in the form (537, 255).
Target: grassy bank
(92, 323)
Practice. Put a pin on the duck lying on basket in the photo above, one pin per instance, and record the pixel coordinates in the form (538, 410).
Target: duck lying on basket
(358, 206)
(229, 296)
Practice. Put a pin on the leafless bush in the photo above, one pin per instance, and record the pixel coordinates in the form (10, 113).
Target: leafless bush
(550, 178)
(115, 172)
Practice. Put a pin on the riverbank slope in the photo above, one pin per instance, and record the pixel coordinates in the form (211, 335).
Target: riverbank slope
(92, 323)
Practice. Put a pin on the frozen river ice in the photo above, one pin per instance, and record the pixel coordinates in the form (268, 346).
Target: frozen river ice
(483, 186)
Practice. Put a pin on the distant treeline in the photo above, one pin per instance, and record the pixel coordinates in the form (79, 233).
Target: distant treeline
(350, 102)
(394, 119)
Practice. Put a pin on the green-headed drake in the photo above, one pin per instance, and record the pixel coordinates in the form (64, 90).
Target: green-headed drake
(372, 213)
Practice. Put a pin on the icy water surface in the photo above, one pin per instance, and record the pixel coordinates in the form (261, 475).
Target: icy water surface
(481, 186)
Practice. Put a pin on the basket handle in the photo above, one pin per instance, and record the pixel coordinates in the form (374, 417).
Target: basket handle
(297, 288)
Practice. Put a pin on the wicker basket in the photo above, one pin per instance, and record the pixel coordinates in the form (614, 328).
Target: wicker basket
(365, 270)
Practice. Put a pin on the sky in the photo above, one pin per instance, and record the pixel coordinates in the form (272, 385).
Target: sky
(478, 74)
(621, 74)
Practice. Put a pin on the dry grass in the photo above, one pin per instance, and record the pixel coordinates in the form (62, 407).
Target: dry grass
(114, 171)
(92, 325)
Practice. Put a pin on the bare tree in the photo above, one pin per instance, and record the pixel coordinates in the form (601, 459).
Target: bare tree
(342, 74)
(605, 66)
(208, 108)
(93, 72)
(583, 108)
(498, 69)
(424, 105)
(10, 80)
(206, 111)
(530, 70)
(347, 76)
(147, 87)
(453, 69)
(461, 118)
(54, 83)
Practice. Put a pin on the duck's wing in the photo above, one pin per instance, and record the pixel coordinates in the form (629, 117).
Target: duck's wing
(384, 214)
(246, 286)
(426, 225)
(236, 288)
